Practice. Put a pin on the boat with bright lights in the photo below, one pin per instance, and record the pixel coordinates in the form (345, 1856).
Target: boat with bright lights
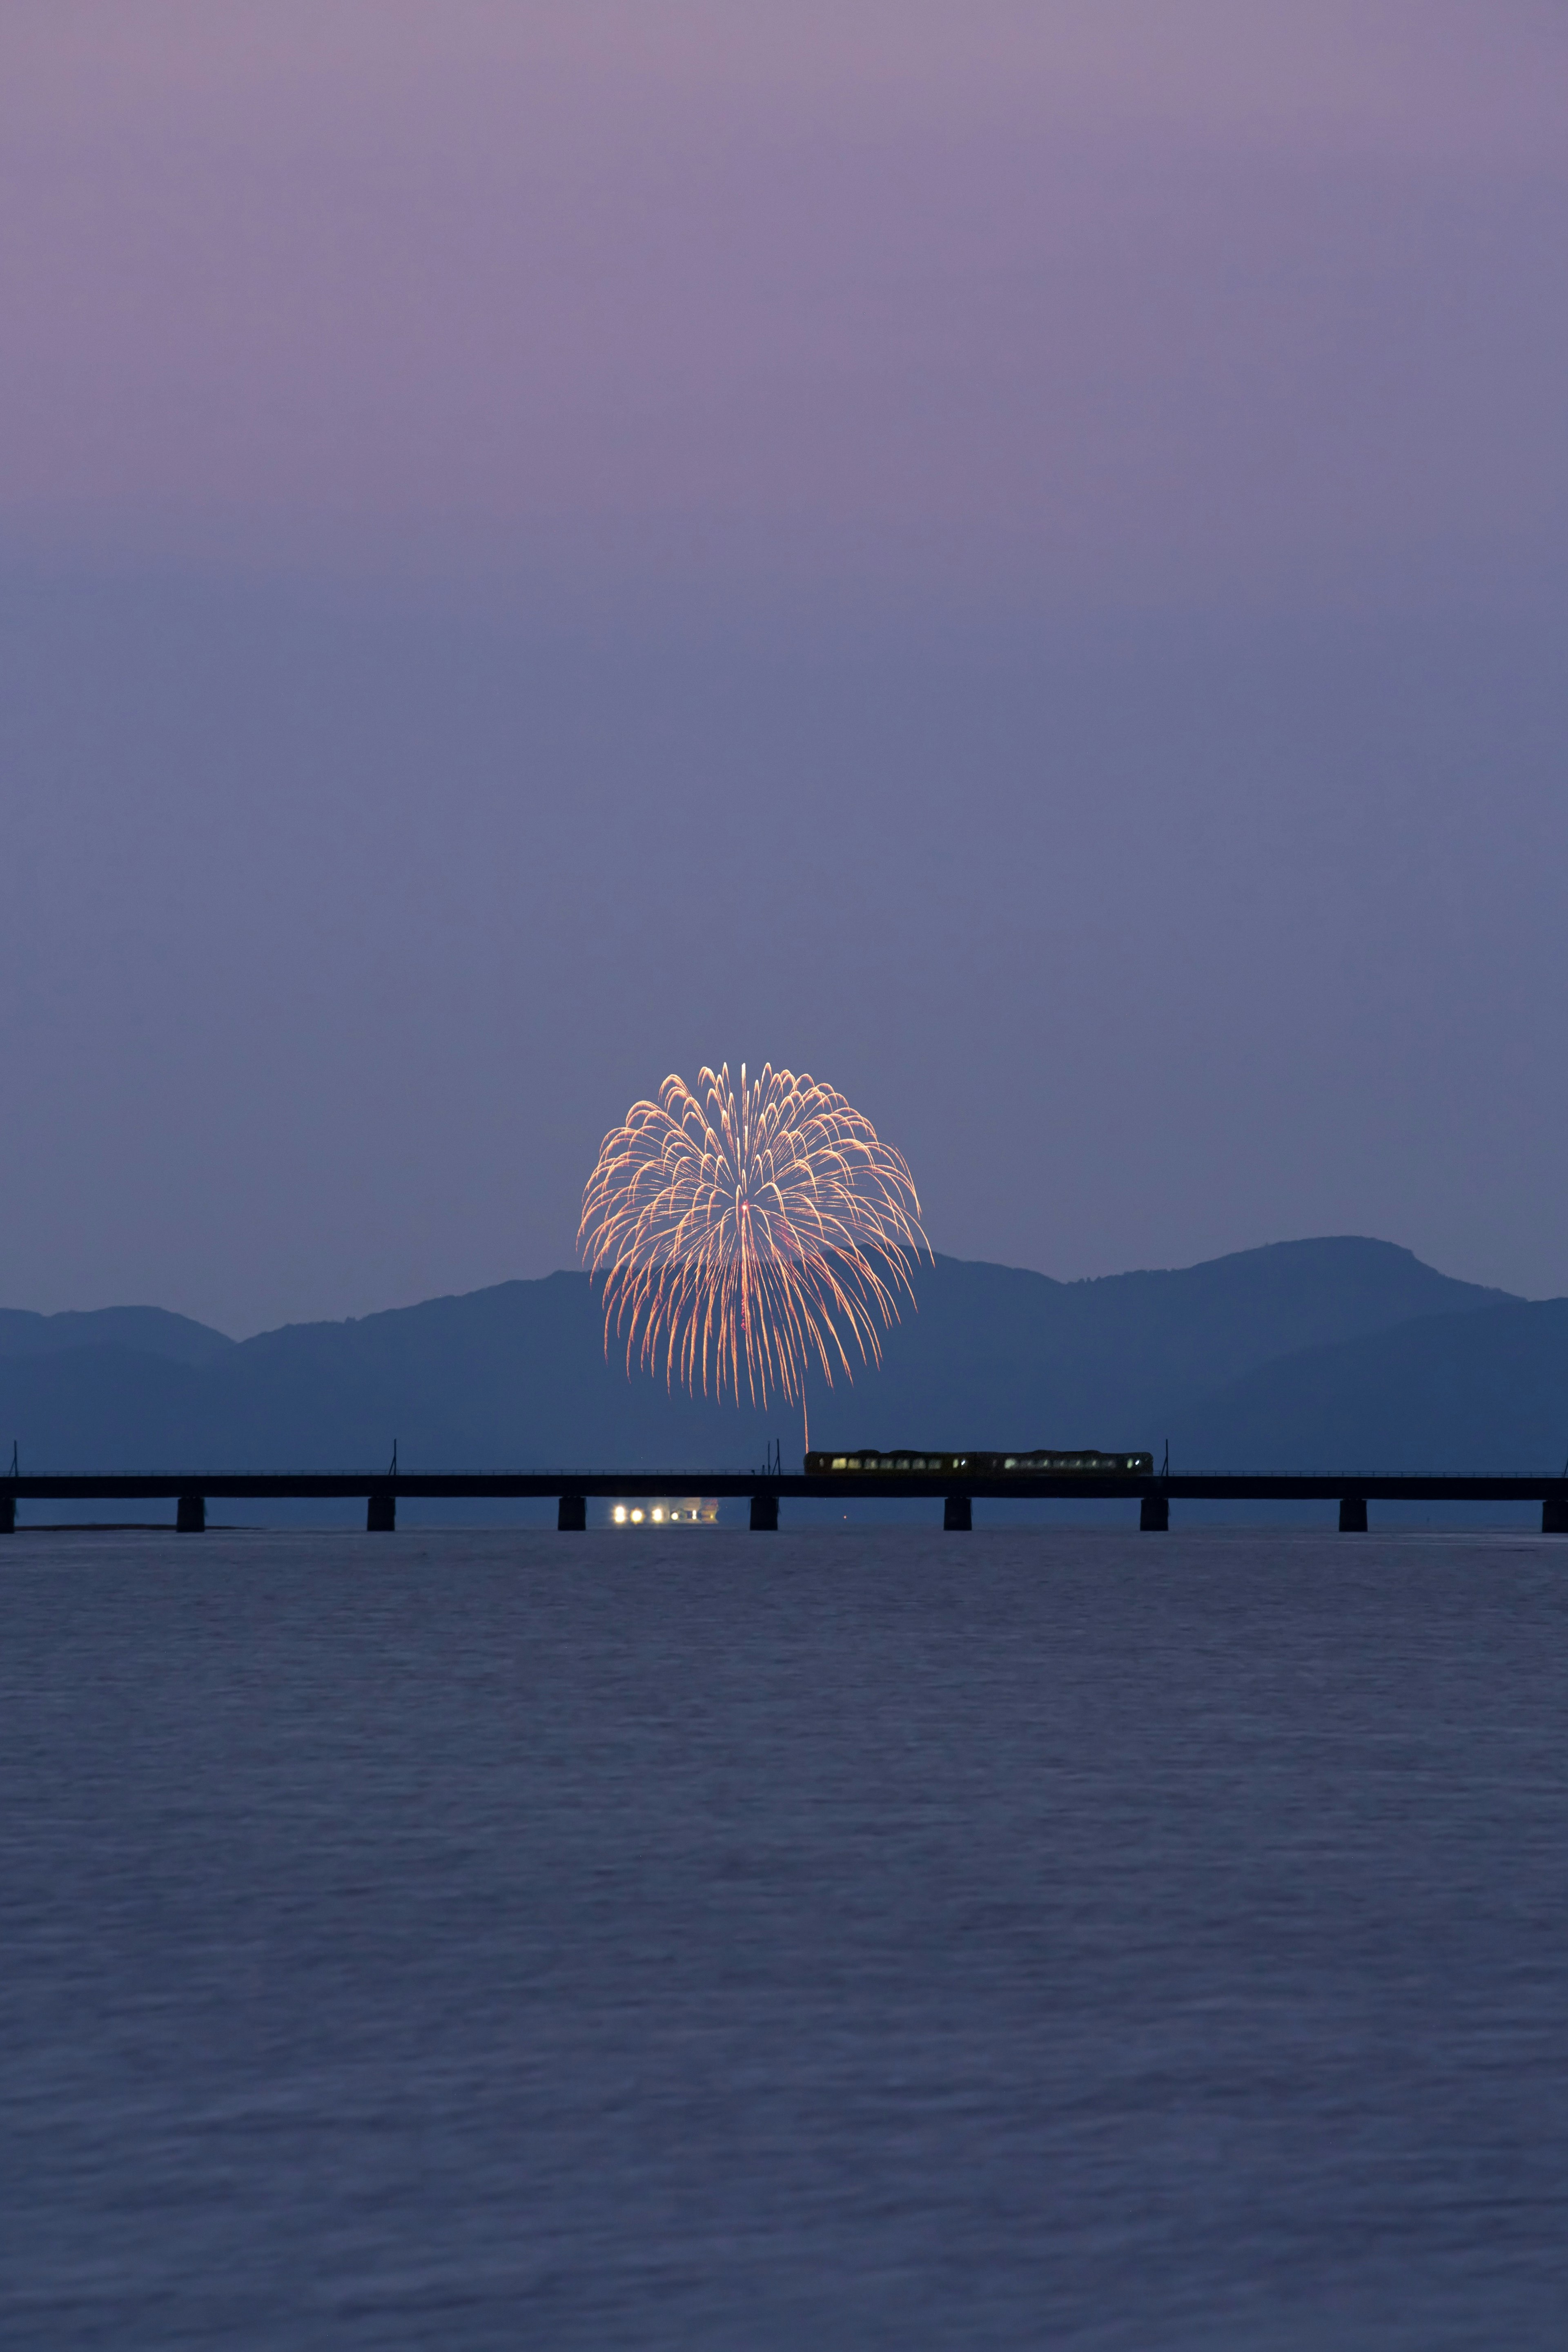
(686, 1511)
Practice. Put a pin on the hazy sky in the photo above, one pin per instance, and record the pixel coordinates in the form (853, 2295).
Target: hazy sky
(1010, 555)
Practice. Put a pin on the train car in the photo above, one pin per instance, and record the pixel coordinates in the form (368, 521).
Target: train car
(942, 1465)
(1086, 1461)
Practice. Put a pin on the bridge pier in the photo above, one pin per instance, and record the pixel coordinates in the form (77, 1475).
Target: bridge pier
(1352, 1515)
(764, 1515)
(1154, 1515)
(191, 1514)
(571, 1515)
(958, 1515)
(381, 1515)
(1554, 1515)
(8, 1515)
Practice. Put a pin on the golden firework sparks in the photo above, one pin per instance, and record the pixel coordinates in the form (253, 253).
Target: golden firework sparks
(747, 1234)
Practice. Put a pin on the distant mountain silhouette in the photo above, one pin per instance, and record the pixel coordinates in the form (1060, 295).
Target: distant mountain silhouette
(148, 1330)
(1485, 1391)
(1012, 1358)
(1281, 1357)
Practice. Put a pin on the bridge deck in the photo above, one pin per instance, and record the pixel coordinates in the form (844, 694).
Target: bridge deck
(513, 1485)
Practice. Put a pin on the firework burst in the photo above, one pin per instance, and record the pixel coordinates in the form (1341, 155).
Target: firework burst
(745, 1234)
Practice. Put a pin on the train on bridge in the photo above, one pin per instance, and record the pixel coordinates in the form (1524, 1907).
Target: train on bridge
(1085, 1463)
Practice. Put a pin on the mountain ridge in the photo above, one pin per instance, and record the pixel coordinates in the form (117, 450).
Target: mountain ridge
(148, 1330)
(1485, 1392)
(515, 1375)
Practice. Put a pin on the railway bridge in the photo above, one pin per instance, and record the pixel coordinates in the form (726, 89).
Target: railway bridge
(190, 1492)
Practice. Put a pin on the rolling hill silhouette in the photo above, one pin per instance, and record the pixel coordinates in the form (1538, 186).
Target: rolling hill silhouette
(1313, 1355)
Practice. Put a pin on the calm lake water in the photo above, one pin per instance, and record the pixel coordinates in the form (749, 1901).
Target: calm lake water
(708, 1939)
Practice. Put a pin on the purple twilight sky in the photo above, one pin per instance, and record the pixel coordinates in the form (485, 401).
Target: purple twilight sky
(1010, 555)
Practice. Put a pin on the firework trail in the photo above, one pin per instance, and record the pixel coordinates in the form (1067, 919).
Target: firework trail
(745, 1234)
